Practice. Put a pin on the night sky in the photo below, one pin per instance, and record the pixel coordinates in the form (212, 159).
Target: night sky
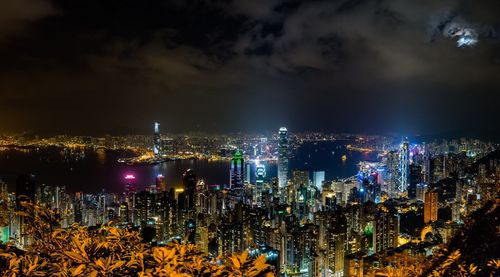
(381, 66)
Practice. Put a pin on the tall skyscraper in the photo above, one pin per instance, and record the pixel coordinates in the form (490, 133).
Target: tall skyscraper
(189, 181)
(431, 206)
(283, 157)
(237, 170)
(157, 139)
(415, 179)
(318, 179)
(25, 191)
(248, 172)
(404, 163)
(260, 173)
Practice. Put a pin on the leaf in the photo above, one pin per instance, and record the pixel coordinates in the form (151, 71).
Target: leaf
(118, 264)
(236, 263)
(75, 256)
(243, 257)
(79, 270)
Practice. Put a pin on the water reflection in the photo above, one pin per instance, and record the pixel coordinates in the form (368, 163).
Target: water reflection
(91, 171)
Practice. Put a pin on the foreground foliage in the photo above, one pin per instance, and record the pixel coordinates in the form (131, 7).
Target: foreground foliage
(111, 251)
(472, 252)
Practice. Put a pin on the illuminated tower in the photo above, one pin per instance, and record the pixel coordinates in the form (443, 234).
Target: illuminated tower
(236, 173)
(430, 206)
(404, 166)
(318, 179)
(130, 184)
(156, 139)
(283, 157)
(260, 174)
(161, 183)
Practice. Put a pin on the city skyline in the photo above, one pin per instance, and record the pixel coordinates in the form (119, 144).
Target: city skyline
(264, 138)
(278, 197)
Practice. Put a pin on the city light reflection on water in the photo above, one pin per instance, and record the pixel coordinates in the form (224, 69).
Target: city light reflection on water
(97, 170)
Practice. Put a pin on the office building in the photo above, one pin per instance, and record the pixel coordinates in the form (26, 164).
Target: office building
(430, 206)
(318, 179)
(283, 157)
(237, 170)
(404, 164)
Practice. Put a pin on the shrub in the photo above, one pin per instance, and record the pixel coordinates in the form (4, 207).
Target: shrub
(111, 251)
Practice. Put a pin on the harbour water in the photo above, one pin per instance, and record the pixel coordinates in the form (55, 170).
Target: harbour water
(97, 170)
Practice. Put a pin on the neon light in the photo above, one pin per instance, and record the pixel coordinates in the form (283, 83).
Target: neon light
(129, 177)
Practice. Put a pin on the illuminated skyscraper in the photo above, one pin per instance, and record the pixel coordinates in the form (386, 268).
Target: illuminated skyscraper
(283, 157)
(236, 173)
(130, 190)
(404, 164)
(248, 172)
(318, 179)
(161, 183)
(260, 174)
(156, 139)
(130, 187)
(420, 191)
(385, 229)
(431, 206)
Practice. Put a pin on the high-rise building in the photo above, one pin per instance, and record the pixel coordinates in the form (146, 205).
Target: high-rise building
(260, 174)
(300, 177)
(144, 207)
(283, 157)
(385, 229)
(157, 139)
(427, 168)
(318, 179)
(130, 187)
(248, 172)
(25, 191)
(161, 184)
(189, 181)
(237, 170)
(404, 163)
(393, 173)
(415, 179)
(430, 206)
(420, 191)
(457, 203)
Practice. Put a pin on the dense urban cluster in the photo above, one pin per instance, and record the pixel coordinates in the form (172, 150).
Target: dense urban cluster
(414, 198)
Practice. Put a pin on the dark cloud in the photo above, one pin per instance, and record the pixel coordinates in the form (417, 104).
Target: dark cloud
(89, 66)
(17, 15)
